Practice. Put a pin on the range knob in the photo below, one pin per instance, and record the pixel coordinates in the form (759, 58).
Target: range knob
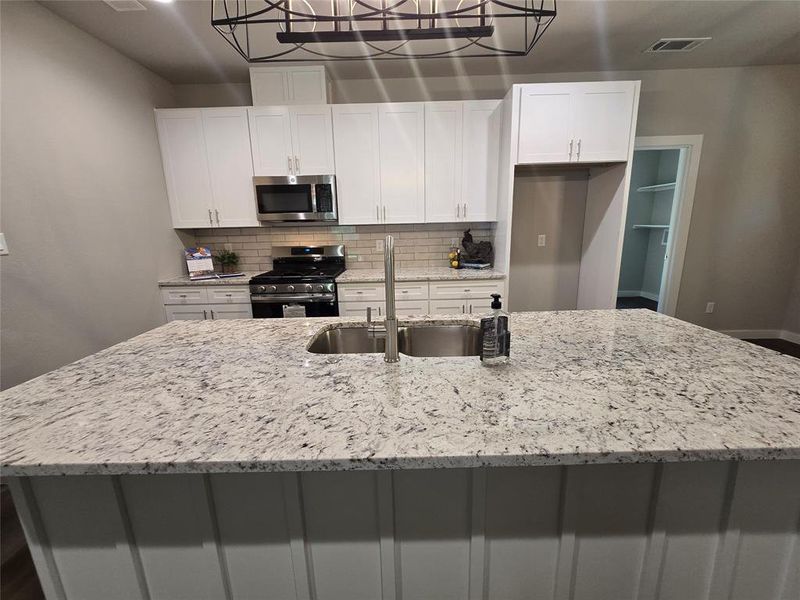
(289, 288)
(308, 287)
(273, 288)
(319, 287)
(262, 288)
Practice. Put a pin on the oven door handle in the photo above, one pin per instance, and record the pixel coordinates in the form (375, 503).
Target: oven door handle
(289, 298)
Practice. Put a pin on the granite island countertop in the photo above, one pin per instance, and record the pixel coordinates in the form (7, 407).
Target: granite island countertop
(245, 395)
(419, 274)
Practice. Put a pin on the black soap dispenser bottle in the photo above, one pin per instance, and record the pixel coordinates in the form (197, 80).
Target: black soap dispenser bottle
(496, 338)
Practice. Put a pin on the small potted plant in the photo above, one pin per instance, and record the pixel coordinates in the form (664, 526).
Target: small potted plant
(229, 261)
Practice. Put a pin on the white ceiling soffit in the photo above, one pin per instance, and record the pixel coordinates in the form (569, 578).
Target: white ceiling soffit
(177, 41)
(125, 5)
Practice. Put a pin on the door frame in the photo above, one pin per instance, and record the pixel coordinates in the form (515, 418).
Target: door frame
(682, 203)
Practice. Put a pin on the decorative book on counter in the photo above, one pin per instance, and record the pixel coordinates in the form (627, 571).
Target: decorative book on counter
(201, 264)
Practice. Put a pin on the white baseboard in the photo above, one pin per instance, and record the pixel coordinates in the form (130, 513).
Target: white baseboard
(755, 334)
(637, 294)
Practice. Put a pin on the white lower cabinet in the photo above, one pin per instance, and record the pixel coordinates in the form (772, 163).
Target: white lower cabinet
(198, 303)
(417, 298)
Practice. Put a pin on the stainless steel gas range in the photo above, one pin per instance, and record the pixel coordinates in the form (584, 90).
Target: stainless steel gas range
(301, 283)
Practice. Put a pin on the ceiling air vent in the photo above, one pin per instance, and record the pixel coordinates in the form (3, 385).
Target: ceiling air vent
(677, 44)
(125, 5)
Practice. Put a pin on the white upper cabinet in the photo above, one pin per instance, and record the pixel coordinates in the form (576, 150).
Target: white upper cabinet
(480, 160)
(358, 177)
(230, 166)
(288, 85)
(545, 123)
(312, 140)
(183, 152)
(603, 118)
(575, 122)
(292, 140)
(271, 140)
(444, 130)
(402, 162)
(208, 168)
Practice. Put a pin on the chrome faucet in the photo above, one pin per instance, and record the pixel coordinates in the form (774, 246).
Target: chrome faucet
(388, 329)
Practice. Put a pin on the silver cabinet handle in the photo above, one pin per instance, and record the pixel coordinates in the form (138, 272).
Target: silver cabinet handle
(579, 149)
(458, 211)
(384, 213)
(379, 311)
(289, 160)
(216, 212)
(570, 149)
(297, 165)
(205, 315)
(182, 295)
(465, 211)
(229, 295)
(470, 309)
(369, 315)
(463, 309)
(212, 314)
(210, 220)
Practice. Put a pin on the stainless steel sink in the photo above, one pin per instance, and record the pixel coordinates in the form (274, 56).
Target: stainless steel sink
(415, 340)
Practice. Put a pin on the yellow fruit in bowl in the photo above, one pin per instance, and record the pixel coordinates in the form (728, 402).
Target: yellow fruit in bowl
(454, 264)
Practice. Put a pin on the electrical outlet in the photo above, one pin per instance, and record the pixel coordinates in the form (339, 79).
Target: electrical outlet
(542, 240)
(360, 257)
(3, 245)
(379, 245)
(710, 307)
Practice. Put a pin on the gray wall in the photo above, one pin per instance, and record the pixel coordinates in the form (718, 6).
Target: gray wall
(743, 250)
(84, 205)
(550, 202)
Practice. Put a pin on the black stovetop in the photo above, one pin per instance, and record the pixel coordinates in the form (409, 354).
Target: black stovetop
(301, 273)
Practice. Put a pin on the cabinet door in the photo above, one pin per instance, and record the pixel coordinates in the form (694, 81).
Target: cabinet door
(545, 123)
(269, 86)
(402, 160)
(230, 166)
(411, 308)
(602, 123)
(479, 166)
(180, 134)
(355, 137)
(229, 311)
(312, 140)
(177, 312)
(448, 307)
(444, 129)
(307, 85)
(271, 140)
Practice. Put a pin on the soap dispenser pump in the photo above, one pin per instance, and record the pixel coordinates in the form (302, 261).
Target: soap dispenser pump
(496, 338)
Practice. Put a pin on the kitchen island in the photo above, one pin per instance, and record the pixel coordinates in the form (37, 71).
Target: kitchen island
(621, 454)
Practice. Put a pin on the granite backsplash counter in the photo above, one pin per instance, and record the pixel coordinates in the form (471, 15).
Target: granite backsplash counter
(419, 274)
(246, 395)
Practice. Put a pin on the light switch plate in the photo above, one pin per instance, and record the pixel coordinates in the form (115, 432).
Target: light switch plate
(710, 307)
(3, 246)
(542, 240)
(379, 245)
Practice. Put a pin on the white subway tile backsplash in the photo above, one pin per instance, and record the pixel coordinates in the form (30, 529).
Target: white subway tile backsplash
(420, 245)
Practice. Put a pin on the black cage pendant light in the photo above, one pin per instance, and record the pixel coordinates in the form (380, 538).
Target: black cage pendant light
(320, 30)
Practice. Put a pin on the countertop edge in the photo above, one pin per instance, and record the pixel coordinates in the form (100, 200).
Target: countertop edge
(406, 463)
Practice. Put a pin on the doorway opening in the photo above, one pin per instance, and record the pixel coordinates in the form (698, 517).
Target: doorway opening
(662, 182)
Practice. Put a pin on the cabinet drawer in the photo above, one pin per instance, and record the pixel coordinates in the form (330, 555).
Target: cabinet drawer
(359, 309)
(176, 312)
(354, 292)
(411, 308)
(411, 290)
(229, 294)
(465, 289)
(184, 295)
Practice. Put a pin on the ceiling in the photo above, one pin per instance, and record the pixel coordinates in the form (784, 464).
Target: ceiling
(177, 41)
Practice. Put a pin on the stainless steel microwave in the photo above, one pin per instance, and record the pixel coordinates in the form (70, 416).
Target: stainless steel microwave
(303, 198)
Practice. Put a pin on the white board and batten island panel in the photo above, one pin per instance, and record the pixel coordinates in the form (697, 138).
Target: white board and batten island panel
(259, 469)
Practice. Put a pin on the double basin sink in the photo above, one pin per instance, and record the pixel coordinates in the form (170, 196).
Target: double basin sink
(412, 340)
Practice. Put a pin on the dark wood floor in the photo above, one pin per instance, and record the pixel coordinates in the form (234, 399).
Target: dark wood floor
(637, 302)
(18, 579)
(782, 346)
